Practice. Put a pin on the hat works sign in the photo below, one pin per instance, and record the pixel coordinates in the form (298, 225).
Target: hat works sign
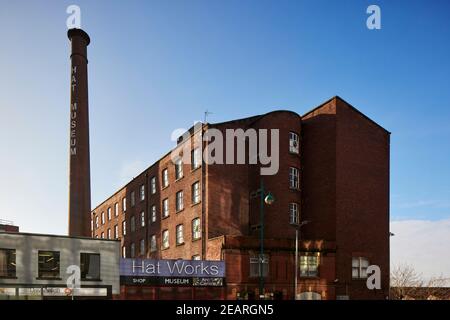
(172, 272)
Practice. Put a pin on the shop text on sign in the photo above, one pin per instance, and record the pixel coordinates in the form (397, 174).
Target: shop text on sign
(172, 268)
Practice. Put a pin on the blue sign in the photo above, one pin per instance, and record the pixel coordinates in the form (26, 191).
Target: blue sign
(172, 268)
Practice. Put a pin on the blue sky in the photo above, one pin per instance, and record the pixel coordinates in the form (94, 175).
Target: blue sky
(155, 66)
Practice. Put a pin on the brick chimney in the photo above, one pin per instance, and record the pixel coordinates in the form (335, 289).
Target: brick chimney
(79, 172)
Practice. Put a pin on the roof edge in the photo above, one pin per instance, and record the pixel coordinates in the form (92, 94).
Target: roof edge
(351, 107)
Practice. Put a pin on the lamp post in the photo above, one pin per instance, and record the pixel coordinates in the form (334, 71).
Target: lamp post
(297, 227)
(265, 198)
(391, 234)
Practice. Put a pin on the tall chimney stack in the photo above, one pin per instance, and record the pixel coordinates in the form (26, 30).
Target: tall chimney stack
(80, 178)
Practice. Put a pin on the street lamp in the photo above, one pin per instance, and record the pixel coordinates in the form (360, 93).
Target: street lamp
(297, 227)
(269, 199)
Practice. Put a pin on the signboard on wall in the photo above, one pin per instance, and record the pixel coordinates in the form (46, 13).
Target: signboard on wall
(171, 281)
(186, 273)
(172, 268)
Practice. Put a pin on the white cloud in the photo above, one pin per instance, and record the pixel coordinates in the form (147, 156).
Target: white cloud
(422, 244)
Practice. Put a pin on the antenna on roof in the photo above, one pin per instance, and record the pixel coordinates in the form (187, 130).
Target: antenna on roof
(207, 113)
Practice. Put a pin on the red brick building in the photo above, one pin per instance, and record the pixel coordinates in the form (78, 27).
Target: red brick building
(333, 173)
(8, 226)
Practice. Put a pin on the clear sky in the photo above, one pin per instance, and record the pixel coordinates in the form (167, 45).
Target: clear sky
(155, 66)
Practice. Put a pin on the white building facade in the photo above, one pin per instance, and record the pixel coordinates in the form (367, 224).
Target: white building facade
(35, 266)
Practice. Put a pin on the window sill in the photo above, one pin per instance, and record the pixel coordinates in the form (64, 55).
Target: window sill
(178, 211)
(167, 248)
(196, 239)
(180, 244)
(165, 187)
(180, 178)
(165, 217)
(194, 204)
(294, 153)
(195, 169)
(294, 189)
(48, 278)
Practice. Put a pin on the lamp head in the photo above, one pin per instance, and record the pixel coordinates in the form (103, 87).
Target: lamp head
(269, 199)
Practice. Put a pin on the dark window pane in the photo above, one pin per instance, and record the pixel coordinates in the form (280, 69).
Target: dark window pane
(7, 263)
(90, 266)
(48, 262)
(256, 264)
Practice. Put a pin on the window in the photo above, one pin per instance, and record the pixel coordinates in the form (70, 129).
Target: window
(165, 206)
(180, 235)
(109, 214)
(196, 229)
(165, 178)
(256, 264)
(132, 250)
(309, 265)
(103, 218)
(178, 169)
(196, 158)
(142, 247)
(132, 224)
(142, 192)
(153, 185)
(179, 203)
(48, 264)
(153, 213)
(92, 225)
(109, 233)
(90, 266)
(196, 257)
(102, 235)
(116, 209)
(153, 243)
(359, 267)
(124, 228)
(96, 222)
(124, 204)
(293, 178)
(293, 214)
(7, 263)
(124, 252)
(133, 200)
(116, 232)
(294, 143)
(165, 239)
(196, 193)
(142, 219)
